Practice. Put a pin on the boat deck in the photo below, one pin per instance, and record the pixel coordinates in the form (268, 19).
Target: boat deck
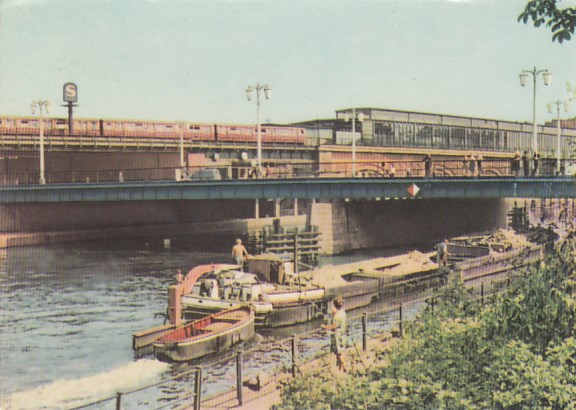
(217, 326)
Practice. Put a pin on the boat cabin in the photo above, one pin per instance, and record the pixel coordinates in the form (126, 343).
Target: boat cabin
(228, 285)
(271, 269)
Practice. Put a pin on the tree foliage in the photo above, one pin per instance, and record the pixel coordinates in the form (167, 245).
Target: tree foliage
(518, 352)
(561, 21)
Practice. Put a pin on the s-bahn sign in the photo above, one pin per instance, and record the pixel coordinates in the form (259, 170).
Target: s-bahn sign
(70, 92)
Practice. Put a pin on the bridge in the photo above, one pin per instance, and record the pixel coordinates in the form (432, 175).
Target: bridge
(296, 188)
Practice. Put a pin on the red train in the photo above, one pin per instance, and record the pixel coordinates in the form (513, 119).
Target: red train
(25, 126)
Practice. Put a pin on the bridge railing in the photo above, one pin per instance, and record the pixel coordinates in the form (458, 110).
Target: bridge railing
(335, 169)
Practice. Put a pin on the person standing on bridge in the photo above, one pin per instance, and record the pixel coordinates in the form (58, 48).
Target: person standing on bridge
(526, 164)
(337, 326)
(238, 254)
(427, 165)
(535, 160)
(479, 159)
(515, 164)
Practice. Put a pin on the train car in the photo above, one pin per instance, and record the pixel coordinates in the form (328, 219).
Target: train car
(153, 129)
(236, 133)
(286, 135)
(270, 134)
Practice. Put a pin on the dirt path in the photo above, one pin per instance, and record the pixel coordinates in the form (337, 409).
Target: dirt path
(269, 393)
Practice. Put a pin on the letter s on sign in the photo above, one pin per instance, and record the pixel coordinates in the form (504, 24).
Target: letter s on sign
(70, 92)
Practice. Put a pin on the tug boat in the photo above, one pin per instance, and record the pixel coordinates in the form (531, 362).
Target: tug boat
(211, 334)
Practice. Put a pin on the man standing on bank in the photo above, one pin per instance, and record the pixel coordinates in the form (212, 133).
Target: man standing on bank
(238, 254)
(337, 326)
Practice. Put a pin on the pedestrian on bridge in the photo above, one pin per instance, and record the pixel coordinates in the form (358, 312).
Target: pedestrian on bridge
(427, 165)
(515, 164)
(535, 160)
(526, 164)
(479, 159)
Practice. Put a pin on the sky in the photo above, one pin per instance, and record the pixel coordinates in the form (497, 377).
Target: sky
(191, 60)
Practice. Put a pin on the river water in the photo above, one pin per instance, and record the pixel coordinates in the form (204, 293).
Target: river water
(68, 312)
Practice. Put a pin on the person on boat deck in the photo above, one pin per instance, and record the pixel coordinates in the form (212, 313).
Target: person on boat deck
(238, 254)
(214, 291)
(337, 326)
(442, 253)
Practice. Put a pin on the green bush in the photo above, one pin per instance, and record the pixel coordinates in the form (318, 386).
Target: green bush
(518, 352)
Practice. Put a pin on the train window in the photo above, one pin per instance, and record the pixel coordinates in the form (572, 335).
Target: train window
(194, 127)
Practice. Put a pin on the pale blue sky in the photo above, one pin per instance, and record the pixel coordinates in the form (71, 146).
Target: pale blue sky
(192, 59)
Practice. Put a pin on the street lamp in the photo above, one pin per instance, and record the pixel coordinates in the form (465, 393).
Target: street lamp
(267, 94)
(523, 76)
(360, 118)
(41, 104)
(550, 107)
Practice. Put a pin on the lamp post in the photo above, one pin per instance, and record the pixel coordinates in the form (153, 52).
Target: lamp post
(267, 94)
(551, 104)
(40, 105)
(523, 76)
(360, 118)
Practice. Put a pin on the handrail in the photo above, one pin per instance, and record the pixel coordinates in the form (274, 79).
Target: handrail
(402, 168)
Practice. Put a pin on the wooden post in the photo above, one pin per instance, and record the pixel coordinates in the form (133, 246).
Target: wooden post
(297, 258)
(198, 388)
(364, 331)
(276, 208)
(482, 293)
(400, 325)
(239, 376)
(118, 400)
(294, 356)
(174, 304)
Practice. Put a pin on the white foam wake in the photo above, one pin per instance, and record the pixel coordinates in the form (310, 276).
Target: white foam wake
(66, 394)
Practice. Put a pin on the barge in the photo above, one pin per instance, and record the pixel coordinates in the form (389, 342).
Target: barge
(281, 296)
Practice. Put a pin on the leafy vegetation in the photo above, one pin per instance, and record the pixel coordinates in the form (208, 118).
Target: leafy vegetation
(517, 352)
(561, 21)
